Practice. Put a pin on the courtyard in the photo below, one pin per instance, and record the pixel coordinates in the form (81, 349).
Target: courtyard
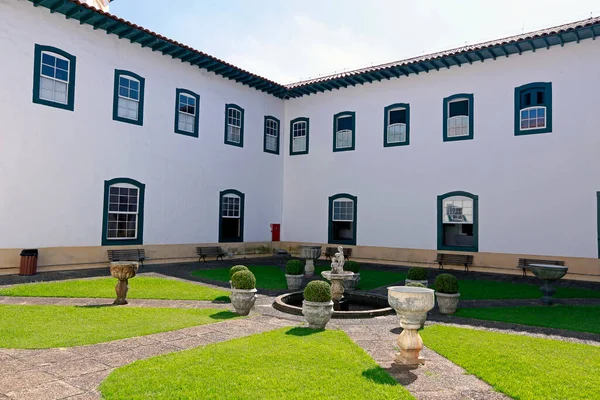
(180, 337)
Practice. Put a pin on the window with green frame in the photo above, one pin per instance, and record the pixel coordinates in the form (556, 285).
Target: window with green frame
(299, 135)
(123, 216)
(344, 128)
(234, 125)
(458, 221)
(458, 117)
(271, 135)
(533, 108)
(187, 112)
(396, 125)
(231, 216)
(128, 98)
(342, 219)
(54, 77)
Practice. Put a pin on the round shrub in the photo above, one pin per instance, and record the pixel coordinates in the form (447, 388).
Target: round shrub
(243, 280)
(446, 283)
(294, 267)
(317, 291)
(352, 266)
(235, 269)
(417, 274)
(415, 284)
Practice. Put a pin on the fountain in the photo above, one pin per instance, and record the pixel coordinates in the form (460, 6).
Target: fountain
(337, 276)
(411, 305)
(310, 253)
(123, 271)
(548, 274)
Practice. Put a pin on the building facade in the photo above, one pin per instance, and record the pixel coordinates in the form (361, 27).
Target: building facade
(129, 139)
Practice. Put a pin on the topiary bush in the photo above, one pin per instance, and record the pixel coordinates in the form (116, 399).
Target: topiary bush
(417, 274)
(235, 269)
(294, 267)
(352, 266)
(317, 291)
(243, 279)
(446, 283)
(415, 284)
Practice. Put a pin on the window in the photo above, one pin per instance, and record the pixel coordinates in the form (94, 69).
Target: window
(128, 102)
(342, 219)
(458, 222)
(271, 139)
(234, 125)
(396, 131)
(458, 117)
(343, 131)
(533, 108)
(54, 78)
(231, 216)
(299, 128)
(187, 112)
(123, 220)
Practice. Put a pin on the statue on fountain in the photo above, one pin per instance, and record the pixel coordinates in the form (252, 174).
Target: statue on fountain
(337, 262)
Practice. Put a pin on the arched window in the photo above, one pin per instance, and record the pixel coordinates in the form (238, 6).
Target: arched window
(299, 135)
(186, 112)
(231, 216)
(344, 128)
(54, 78)
(271, 139)
(123, 219)
(458, 117)
(128, 102)
(533, 108)
(396, 125)
(234, 125)
(342, 219)
(458, 220)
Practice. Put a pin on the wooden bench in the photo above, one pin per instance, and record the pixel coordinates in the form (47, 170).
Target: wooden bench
(127, 255)
(330, 252)
(454, 259)
(211, 251)
(524, 263)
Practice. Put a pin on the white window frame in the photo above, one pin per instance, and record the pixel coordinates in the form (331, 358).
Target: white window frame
(231, 127)
(272, 132)
(402, 126)
(463, 120)
(467, 215)
(537, 108)
(180, 112)
(343, 200)
(341, 135)
(136, 213)
(54, 79)
(295, 139)
(127, 98)
(226, 210)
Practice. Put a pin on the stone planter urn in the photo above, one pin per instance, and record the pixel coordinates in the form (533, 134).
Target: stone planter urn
(317, 313)
(310, 253)
(411, 304)
(548, 274)
(294, 282)
(447, 303)
(351, 281)
(243, 300)
(424, 283)
(123, 271)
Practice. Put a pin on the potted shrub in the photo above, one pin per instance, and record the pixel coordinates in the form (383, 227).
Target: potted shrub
(235, 269)
(446, 291)
(294, 272)
(351, 282)
(317, 306)
(416, 275)
(243, 291)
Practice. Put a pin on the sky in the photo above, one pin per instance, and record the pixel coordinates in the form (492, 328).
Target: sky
(288, 41)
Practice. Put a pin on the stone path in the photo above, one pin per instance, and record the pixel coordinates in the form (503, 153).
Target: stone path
(59, 301)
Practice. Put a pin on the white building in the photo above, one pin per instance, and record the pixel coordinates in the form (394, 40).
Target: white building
(113, 135)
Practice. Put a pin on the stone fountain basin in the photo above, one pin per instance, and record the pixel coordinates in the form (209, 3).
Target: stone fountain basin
(409, 299)
(330, 275)
(362, 305)
(310, 252)
(123, 270)
(548, 272)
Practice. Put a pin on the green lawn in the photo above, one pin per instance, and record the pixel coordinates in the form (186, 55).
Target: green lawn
(295, 363)
(489, 290)
(575, 318)
(39, 327)
(140, 287)
(273, 277)
(522, 367)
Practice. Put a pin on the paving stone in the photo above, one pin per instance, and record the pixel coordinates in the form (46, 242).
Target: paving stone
(169, 336)
(91, 395)
(24, 379)
(191, 342)
(75, 368)
(89, 382)
(48, 391)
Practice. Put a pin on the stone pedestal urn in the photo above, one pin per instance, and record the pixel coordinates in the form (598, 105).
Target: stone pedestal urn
(317, 313)
(337, 282)
(548, 274)
(294, 282)
(411, 304)
(243, 300)
(123, 271)
(310, 253)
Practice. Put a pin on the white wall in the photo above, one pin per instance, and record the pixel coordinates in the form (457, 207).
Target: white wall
(53, 163)
(537, 193)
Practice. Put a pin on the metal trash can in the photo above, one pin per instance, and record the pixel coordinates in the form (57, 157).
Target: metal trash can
(28, 262)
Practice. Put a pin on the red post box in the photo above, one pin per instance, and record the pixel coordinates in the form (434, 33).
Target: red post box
(275, 232)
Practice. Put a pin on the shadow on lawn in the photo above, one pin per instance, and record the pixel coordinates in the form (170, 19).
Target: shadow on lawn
(303, 331)
(222, 299)
(379, 376)
(223, 315)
